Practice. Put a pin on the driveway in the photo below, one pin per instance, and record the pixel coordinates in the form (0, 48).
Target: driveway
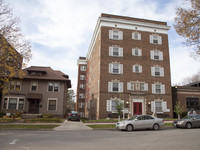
(72, 125)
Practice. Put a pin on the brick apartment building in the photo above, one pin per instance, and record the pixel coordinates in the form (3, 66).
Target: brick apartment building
(127, 61)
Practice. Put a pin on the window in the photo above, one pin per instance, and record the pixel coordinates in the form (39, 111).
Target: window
(144, 86)
(5, 103)
(137, 86)
(155, 39)
(81, 96)
(115, 51)
(53, 87)
(83, 68)
(82, 86)
(111, 105)
(115, 35)
(15, 85)
(12, 103)
(115, 86)
(82, 77)
(137, 68)
(115, 68)
(136, 52)
(192, 103)
(81, 104)
(21, 104)
(157, 71)
(130, 86)
(158, 106)
(158, 88)
(52, 104)
(136, 36)
(34, 86)
(156, 55)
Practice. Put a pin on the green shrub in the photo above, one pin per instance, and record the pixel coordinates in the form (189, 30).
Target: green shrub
(47, 116)
(2, 114)
(44, 120)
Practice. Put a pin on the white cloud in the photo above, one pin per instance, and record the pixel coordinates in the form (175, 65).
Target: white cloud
(61, 30)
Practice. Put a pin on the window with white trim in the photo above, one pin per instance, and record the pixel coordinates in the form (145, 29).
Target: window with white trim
(115, 86)
(130, 86)
(82, 77)
(135, 85)
(115, 35)
(155, 39)
(81, 95)
(158, 88)
(157, 71)
(14, 103)
(34, 85)
(137, 68)
(52, 104)
(15, 85)
(111, 105)
(82, 86)
(81, 104)
(136, 36)
(115, 51)
(159, 106)
(115, 68)
(82, 68)
(53, 87)
(156, 55)
(136, 52)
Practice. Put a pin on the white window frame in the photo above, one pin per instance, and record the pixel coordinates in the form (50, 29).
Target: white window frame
(153, 54)
(119, 49)
(82, 68)
(163, 105)
(32, 85)
(15, 84)
(53, 84)
(162, 88)
(159, 39)
(111, 68)
(120, 86)
(118, 33)
(139, 52)
(82, 86)
(17, 104)
(145, 85)
(81, 95)
(134, 37)
(82, 77)
(81, 105)
(130, 86)
(53, 99)
(109, 105)
(161, 71)
(139, 68)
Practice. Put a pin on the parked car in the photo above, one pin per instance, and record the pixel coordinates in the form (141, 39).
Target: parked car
(191, 121)
(73, 115)
(140, 122)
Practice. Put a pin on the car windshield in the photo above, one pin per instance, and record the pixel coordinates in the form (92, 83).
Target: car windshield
(187, 117)
(132, 118)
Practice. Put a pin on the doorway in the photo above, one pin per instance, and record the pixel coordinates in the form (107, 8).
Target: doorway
(137, 108)
(34, 106)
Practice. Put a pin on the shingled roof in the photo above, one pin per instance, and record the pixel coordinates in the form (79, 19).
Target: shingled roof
(45, 73)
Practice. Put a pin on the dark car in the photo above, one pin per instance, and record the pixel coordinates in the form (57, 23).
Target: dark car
(191, 121)
(73, 115)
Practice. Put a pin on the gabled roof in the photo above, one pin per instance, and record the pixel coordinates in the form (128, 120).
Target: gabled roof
(45, 73)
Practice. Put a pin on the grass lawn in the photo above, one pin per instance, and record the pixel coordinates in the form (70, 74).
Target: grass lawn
(27, 126)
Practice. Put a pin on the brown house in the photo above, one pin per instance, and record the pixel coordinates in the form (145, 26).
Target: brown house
(188, 96)
(127, 61)
(42, 90)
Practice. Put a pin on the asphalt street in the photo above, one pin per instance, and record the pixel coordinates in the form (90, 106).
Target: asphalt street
(165, 139)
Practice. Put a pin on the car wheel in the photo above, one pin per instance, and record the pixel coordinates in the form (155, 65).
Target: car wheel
(188, 125)
(156, 127)
(129, 128)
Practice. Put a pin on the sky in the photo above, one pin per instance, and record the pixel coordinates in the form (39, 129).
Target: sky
(61, 30)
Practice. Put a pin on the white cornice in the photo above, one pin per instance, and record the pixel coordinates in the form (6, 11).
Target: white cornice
(81, 62)
(125, 24)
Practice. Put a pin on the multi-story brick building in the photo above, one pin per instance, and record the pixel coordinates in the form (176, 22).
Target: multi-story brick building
(128, 61)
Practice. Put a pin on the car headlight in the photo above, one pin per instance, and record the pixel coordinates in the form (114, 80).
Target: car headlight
(180, 122)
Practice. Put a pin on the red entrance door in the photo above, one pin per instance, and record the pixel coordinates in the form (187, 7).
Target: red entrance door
(137, 108)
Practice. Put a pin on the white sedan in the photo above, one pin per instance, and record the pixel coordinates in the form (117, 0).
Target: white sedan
(140, 122)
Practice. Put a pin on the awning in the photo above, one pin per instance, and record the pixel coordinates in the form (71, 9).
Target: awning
(34, 96)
